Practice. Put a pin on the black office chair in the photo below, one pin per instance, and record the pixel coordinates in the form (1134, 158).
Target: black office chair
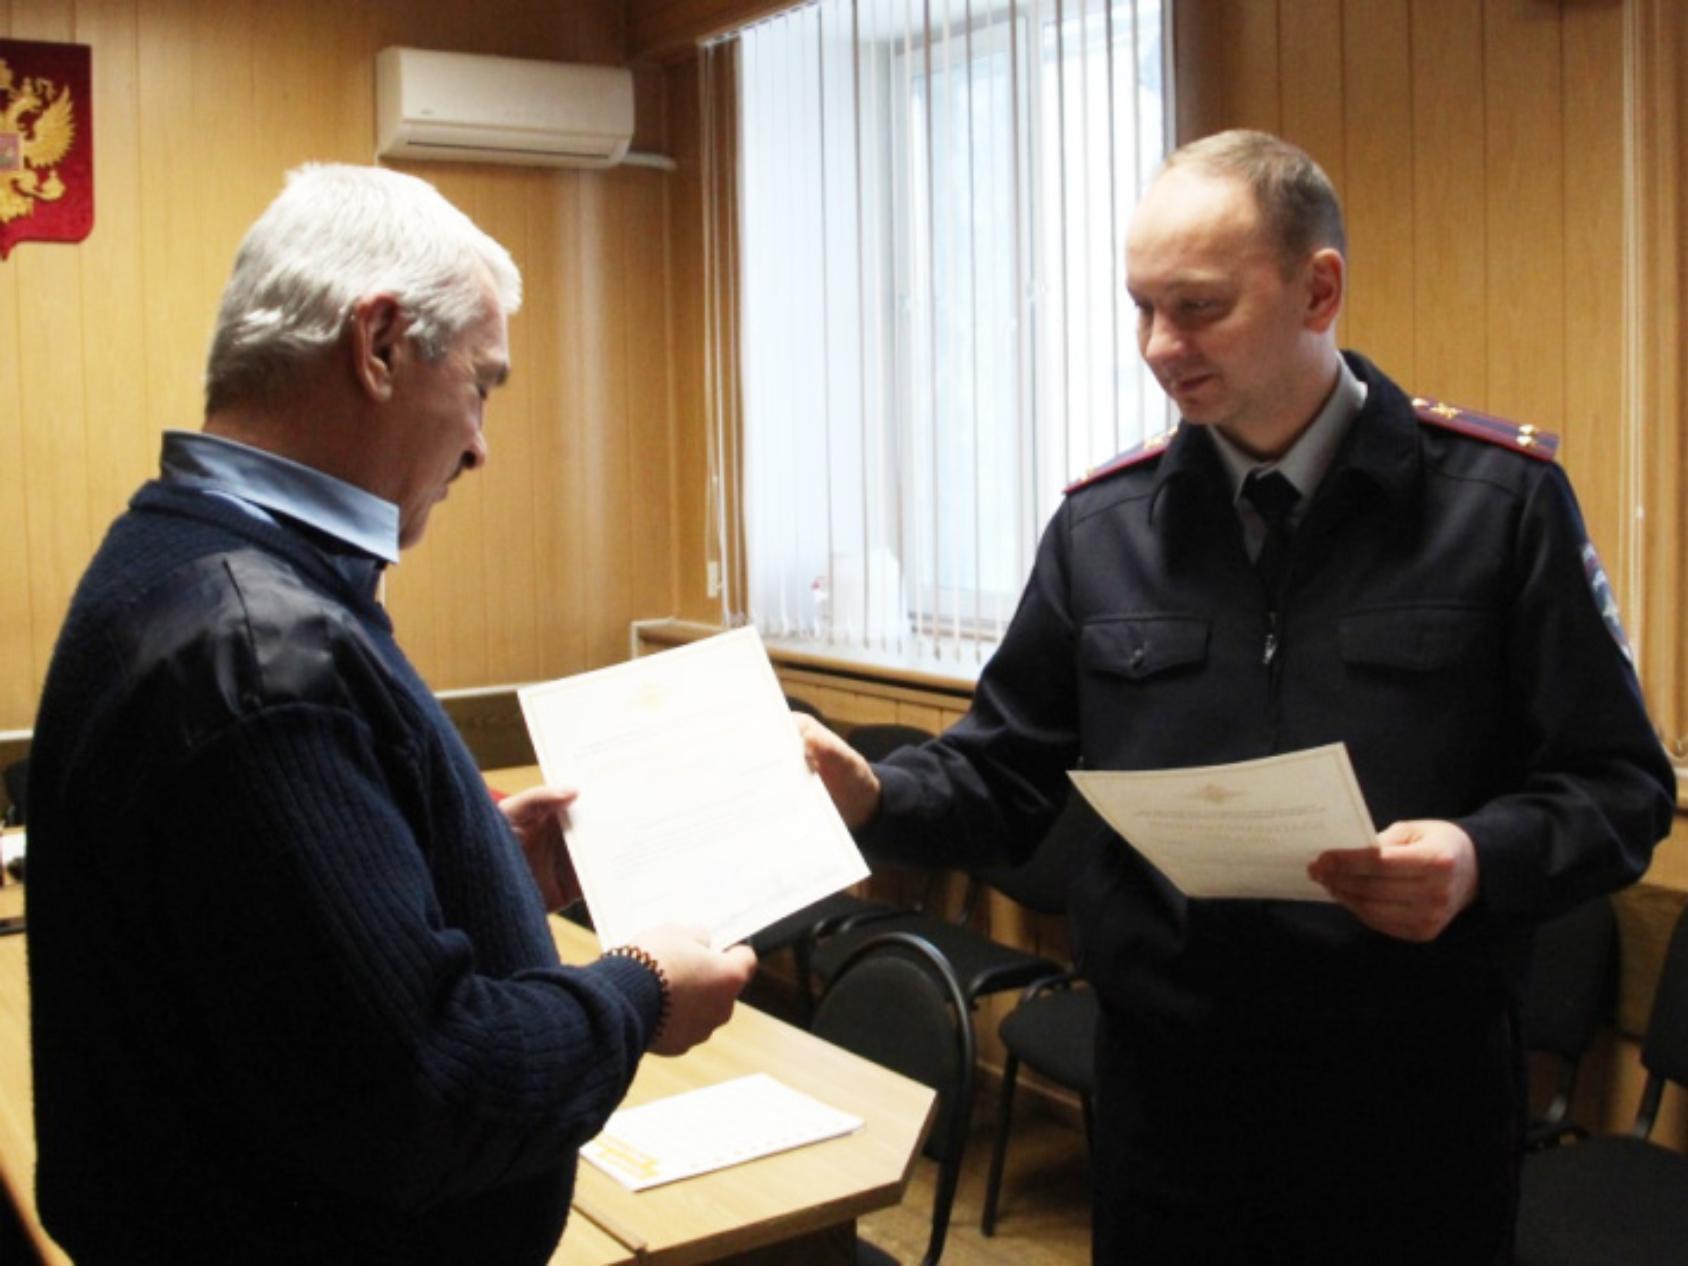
(1052, 1030)
(804, 706)
(895, 1001)
(1618, 1197)
(983, 966)
(801, 930)
(16, 776)
(1572, 986)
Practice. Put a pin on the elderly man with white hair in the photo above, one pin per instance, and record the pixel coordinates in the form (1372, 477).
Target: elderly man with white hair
(295, 999)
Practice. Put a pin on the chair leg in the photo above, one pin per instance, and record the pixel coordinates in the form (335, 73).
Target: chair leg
(999, 1149)
(801, 951)
(949, 1177)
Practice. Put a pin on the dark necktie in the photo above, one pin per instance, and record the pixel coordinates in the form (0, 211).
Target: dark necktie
(1274, 497)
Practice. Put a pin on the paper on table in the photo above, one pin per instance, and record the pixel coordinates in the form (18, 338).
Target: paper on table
(696, 806)
(712, 1128)
(1242, 830)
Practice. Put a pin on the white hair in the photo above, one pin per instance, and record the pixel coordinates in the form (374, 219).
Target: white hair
(334, 235)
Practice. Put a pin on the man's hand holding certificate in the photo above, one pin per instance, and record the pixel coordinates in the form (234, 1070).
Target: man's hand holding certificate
(1410, 883)
(695, 804)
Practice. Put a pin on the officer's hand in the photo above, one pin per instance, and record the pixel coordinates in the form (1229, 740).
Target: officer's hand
(848, 778)
(702, 984)
(1410, 884)
(536, 816)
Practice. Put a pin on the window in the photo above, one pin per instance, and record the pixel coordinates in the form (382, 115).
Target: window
(932, 331)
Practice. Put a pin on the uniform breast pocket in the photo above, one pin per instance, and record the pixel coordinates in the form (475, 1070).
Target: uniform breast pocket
(1421, 642)
(1146, 695)
(1139, 648)
(1422, 704)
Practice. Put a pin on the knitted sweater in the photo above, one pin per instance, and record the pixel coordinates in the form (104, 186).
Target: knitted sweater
(294, 996)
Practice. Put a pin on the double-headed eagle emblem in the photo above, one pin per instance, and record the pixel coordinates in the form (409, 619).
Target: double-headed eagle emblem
(37, 129)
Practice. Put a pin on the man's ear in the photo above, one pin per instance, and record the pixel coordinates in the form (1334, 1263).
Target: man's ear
(376, 333)
(1327, 274)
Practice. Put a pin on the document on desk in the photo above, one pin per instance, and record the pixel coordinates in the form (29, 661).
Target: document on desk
(1242, 830)
(708, 1129)
(696, 805)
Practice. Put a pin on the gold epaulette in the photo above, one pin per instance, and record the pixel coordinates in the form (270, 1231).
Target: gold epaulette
(1151, 447)
(1542, 445)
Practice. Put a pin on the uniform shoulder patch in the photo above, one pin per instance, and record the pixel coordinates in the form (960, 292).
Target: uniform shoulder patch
(1528, 440)
(1605, 599)
(1150, 448)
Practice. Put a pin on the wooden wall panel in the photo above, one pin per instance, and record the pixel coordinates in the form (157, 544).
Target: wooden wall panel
(561, 552)
(48, 348)
(1595, 447)
(119, 447)
(685, 143)
(507, 525)
(1377, 192)
(1449, 184)
(201, 107)
(178, 302)
(608, 452)
(1311, 97)
(1525, 206)
(1251, 33)
(19, 671)
(650, 396)
(1656, 41)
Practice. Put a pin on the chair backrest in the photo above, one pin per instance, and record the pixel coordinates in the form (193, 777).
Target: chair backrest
(803, 705)
(896, 1001)
(1573, 980)
(16, 777)
(1664, 1049)
(878, 740)
(1044, 881)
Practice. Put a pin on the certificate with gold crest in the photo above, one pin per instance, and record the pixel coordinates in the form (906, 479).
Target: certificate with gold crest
(1242, 830)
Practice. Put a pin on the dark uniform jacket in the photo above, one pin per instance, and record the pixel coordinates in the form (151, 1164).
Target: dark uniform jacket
(1438, 618)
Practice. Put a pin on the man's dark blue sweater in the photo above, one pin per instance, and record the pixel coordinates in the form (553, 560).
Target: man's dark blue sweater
(294, 995)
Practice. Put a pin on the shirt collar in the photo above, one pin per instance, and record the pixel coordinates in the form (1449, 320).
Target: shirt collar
(1310, 457)
(341, 511)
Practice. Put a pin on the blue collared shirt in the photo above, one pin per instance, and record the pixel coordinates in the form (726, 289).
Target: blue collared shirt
(275, 488)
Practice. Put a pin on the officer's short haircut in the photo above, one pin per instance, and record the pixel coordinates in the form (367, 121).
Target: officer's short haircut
(1293, 193)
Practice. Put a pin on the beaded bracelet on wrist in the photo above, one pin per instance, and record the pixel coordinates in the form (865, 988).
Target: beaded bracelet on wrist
(644, 959)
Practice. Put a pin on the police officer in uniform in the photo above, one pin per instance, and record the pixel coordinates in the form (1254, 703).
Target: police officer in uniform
(1312, 556)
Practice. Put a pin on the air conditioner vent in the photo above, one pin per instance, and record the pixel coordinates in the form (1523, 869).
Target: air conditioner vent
(469, 108)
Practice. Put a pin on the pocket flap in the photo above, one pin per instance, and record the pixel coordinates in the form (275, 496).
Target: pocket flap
(1141, 646)
(1416, 639)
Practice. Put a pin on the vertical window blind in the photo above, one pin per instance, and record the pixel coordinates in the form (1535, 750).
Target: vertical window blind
(918, 332)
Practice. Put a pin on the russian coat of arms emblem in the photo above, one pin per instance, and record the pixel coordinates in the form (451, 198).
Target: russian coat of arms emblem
(46, 146)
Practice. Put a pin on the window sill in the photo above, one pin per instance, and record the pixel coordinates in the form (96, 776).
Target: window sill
(945, 676)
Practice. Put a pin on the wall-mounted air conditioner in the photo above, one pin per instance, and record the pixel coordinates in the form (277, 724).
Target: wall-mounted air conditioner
(469, 108)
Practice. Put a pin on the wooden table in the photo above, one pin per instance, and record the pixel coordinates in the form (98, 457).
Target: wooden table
(798, 1206)
(17, 1110)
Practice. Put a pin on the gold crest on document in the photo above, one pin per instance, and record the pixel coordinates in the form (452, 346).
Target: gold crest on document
(37, 130)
